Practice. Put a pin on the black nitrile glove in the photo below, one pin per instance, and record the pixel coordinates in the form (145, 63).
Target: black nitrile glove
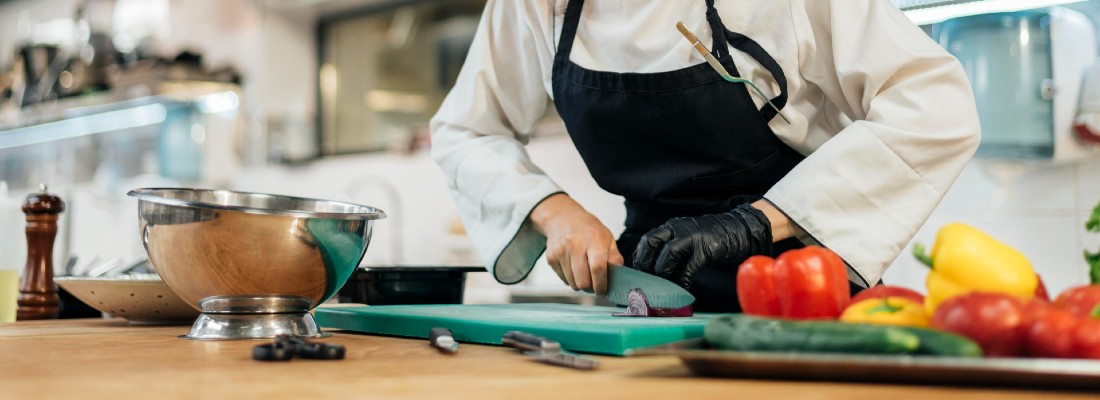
(677, 249)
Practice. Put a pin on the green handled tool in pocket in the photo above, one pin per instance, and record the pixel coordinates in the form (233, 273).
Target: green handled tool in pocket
(722, 70)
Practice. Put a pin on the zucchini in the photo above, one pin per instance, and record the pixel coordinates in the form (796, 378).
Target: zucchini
(937, 343)
(747, 333)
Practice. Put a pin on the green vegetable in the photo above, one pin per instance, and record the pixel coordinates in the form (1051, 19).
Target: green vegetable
(1093, 225)
(1094, 267)
(747, 333)
(933, 342)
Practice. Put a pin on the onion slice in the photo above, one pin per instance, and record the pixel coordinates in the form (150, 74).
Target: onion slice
(638, 306)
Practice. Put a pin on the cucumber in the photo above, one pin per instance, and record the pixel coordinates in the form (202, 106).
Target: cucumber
(939, 343)
(747, 333)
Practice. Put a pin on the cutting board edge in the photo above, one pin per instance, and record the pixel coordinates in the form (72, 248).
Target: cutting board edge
(381, 320)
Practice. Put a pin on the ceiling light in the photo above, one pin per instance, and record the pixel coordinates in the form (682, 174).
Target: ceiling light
(928, 12)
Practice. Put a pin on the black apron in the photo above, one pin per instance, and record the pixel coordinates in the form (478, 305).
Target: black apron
(677, 143)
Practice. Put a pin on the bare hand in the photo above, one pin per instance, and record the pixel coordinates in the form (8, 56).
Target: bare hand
(578, 246)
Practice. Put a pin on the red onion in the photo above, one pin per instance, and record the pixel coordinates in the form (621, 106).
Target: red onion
(638, 306)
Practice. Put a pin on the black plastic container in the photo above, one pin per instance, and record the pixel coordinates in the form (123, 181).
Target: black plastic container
(406, 285)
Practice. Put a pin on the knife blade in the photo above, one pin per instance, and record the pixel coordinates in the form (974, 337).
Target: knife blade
(659, 292)
(564, 360)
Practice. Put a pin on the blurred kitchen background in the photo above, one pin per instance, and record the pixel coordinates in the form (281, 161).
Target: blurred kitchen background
(331, 99)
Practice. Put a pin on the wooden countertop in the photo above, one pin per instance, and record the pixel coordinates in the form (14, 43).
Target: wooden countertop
(110, 359)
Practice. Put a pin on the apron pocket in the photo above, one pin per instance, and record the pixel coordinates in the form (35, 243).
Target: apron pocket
(739, 176)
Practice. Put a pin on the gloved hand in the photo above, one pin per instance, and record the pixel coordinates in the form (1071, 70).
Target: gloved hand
(677, 249)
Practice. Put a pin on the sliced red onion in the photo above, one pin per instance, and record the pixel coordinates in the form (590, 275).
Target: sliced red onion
(637, 305)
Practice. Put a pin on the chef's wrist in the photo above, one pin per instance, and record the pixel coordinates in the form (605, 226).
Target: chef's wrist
(552, 207)
(782, 227)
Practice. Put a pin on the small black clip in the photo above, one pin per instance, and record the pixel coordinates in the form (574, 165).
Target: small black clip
(286, 347)
(278, 351)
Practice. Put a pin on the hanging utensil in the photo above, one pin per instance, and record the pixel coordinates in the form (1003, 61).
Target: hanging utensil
(717, 66)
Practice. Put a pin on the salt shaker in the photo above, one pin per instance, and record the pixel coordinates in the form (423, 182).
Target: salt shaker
(38, 292)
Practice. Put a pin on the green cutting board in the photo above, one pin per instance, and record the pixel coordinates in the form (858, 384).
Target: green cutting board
(585, 329)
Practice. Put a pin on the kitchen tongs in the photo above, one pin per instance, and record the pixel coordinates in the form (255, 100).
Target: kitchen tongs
(717, 66)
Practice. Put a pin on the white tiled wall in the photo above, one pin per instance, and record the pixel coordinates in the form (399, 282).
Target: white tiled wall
(1037, 208)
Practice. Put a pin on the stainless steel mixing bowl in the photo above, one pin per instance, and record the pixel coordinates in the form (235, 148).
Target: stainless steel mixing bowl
(207, 243)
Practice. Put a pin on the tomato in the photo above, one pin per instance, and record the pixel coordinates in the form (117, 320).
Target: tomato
(1082, 301)
(1087, 339)
(1057, 333)
(997, 322)
(1049, 335)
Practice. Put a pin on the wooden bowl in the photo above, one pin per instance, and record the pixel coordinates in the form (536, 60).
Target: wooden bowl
(139, 298)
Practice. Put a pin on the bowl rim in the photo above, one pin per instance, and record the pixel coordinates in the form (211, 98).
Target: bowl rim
(419, 268)
(148, 194)
(127, 278)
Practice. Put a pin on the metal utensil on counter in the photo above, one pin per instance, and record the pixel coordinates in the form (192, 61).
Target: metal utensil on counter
(565, 360)
(443, 339)
(547, 351)
(118, 266)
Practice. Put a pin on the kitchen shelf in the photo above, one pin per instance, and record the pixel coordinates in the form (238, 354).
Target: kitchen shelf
(110, 112)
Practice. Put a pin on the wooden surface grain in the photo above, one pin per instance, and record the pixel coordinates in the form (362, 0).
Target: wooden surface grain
(111, 359)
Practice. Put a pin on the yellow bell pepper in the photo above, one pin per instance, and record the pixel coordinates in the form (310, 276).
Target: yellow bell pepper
(965, 259)
(887, 311)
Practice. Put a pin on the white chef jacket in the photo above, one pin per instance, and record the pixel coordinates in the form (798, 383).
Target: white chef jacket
(884, 115)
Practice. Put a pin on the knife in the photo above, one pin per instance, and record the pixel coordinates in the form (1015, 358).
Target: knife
(443, 339)
(659, 292)
(546, 351)
(564, 360)
(530, 342)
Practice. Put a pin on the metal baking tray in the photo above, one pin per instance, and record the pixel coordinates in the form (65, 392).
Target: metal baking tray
(906, 369)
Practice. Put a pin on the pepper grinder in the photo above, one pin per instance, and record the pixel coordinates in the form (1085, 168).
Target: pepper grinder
(37, 292)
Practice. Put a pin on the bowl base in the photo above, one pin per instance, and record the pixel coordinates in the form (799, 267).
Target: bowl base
(254, 317)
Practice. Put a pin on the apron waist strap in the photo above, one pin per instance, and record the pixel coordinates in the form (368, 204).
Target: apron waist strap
(642, 216)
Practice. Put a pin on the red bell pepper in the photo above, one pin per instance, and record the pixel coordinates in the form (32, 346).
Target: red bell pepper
(807, 283)
(756, 287)
(997, 322)
(1058, 333)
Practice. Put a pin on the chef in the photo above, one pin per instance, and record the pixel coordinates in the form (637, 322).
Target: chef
(862, 123)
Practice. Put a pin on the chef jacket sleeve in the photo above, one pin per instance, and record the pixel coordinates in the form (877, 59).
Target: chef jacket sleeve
(912, 127)
(479, 133)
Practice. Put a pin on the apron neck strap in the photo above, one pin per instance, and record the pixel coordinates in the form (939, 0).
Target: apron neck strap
(569, 29)
(717, 31)
(573, 17)
(748, 46)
